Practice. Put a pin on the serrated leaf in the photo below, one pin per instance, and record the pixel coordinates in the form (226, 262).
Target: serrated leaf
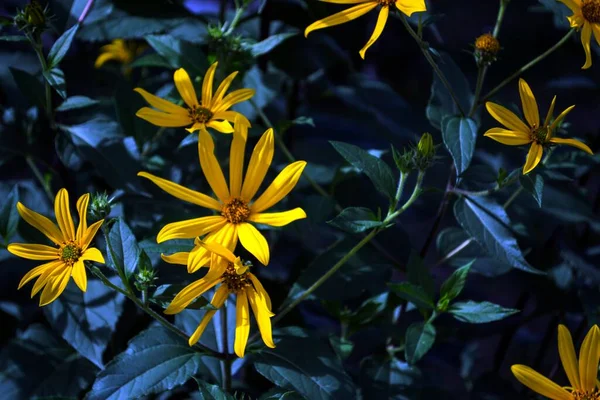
(483, 312)
(414, 294)
(9, 216)
(376, 169)
(265, 46)
(122, 249)
(76, 102)
(212, 392)
(56, 79)
(419, 339)
(455, 283)
(533, 183)
(179, 54)
(419, 275)
(460, 136)
(61, 46)
(355, 220)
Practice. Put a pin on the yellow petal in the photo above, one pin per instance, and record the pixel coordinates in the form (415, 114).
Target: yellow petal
(280, 187)
(259, 164)
(573, 143)
(185, 87)
(217, 301)
(574, 5)
(533, 158)
(237, 96)
(567, 356)
(104, 57)
(82, 206)
(93, 254)
(176, 258)
(197, 126)
(40, 223)
(586, 38)
(242, 324)
(188, 294)
(55, 287)
(506, 117)
(279, 218)
(199, 256)
(220, 126)
(560, 118)
(46, 277)
(183, 193)
(345, 1)
(576, 20)
(260, 290)
(341, 17)
(588, 359)
(550, 113)
(381, 20)
(220, 92)
(596, 30)
(207, 85)
(162, 104)
(210, 166)
(217, 248)
(160, 118)
(190, 228)
(510, 138)
(539, 383)
(254, 242)
(236, 158)
(33, 251)
(39, 270)
(79, 276)
(530, 108)
(411, 6)
(63, 214)
(263, 317)
(88, 236)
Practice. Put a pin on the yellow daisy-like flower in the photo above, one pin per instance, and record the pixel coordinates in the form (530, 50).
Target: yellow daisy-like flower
(234, 278)
(586, 16)
(212, 111)
(122, 51)
(581, 374)
(66, 259)
(234, 203)
(533, 132)
(364, 6)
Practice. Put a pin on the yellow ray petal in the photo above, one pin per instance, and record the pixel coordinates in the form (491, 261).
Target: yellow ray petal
(185, 87)
(217, 248)
(510, 138)
(381, 20)
(574, 5)
(242, 324)
(176, 258)
(33, 251)
(236, 158)
(217, 301)
(220, 92)
(55, 287)
(220, 126)
(82, 206)
(63, 214)
(550, 113)
(409, 7)
(93, 254)
(589, 354)
(596, 30)
(279, 218)
(567, 356)
(341, 17)
(104, 58)
(530, 107)
(188, 294)
(210, 166)
(506, 117)
(88, 236)
(260, 290)
(560, 118)
(183, 193)
(162, 104)
(160, 118)
(576, 20)
(259, 164)
(254, 242)
(190, 228)
(79, 276)
(207, 85)
(196, 127)
(40, 223)
(345, 1)
(539, 383)
(263, 317)
(199, 256)
(533, 158)
(39, 270)
(47, 277)
(237, 96)
(573, 143)
(586, 38)
(280, 187)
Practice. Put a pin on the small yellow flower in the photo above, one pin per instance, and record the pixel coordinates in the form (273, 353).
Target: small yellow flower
(234, 278)
(364, 6)
(586, 16)
(64, 260)
(534, 133)
(234, 203)
(581, 375)
(122, 51)
(212, 111)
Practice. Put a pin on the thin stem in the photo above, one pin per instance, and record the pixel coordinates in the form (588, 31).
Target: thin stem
(527, 66)
(500, 17)
(414, 196)
(399, 191)
(440, 214)
(227, 359)
(48, 90)
(85, 11)
(40, 178)
(513, 197)
(235, 21)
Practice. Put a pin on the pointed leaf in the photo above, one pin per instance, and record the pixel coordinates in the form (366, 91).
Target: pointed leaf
(61, 46)
(420, 337)
(479, 312)
(355, 220)
(460, 136)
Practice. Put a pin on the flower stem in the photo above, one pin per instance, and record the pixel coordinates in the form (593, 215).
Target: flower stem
(37, 47)
(86, 9)
(40, 178)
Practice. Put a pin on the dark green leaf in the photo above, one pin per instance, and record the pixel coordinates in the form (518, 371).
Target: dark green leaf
(30, 86)
(455, 283)
(420, 337)
(460, 136)
(151, 60)
(378, 171)
(355, 220)
(9, 216)
(76, 102)
(212, 392)
(369, 309)
(414, 294)
(342, 347)
(179, 54)
(479, 312)
(418, 274)
(265, 46)
(566, 203)
(387, 378)
(67, 152)
(13, 38)
(122, 249)
(56, 79)
(61, 46)
(533, 183)
(281, 394)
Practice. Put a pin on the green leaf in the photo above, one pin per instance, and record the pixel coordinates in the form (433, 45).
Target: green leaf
(414, 294)
(369, 310)
(487, 222)
(265, 46)
(61, 46)
(483, 312)
(151, 60)
(460, 136)
(9, 216)
(122, 250)
(212, 392)
(355, 220)
(388, 378)
(342, 347)
(30, 86)
(455, 283)
(378, 171)
(76, 102)
(13, 38)
(533, 183)
(164, 294)
(180, 54)
(566, 203)
(419, 275)
(280, 394)
(56, 79)
(419, 339)
(155, 361)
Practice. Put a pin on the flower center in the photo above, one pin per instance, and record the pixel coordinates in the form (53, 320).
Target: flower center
(591, 10)
(487, 43)
(70, 253)
(235, 283)
(236, 211)
(585, 395)
(387, 3)
(200, 114)
(539, 134)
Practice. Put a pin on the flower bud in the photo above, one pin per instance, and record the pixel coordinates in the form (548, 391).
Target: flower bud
(487, 48)
(404, 161)
(99, 207)
(146, 274)
(425, 146)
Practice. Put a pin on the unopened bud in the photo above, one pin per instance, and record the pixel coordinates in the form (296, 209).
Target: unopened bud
(34, 14)
(426, 147)
(99, 207)
(487, 48)
(404, 161)
(146, 274)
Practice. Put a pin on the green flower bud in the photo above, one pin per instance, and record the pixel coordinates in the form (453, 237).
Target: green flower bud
(34, 14)
(99, 207)
(404, 161)
(425, 147)
(146, 274)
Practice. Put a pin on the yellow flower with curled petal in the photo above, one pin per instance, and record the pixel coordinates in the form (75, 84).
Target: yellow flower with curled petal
(581, 374)
(233, 277)
(586, 16)
(212, 111)
(364, 6)
(234, 203)
(122, 51)
(66, 259)
(533, 132)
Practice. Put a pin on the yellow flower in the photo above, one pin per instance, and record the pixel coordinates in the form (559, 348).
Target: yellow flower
(212, 111)
(364, 6)
(67, 258)
(581, 375)
(534, 133)
(234, 278)
(234, 203)
(123, 51)
(586, 16)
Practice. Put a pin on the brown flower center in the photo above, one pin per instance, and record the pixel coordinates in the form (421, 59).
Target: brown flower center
(236, 211)
(387, 3)
(487, 43)
(539, 134)
(235, 283)
(200, 114)
(69, 253)
(591, 10)
(585, 395)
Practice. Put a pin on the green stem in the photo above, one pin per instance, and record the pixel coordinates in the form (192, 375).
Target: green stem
(399, 191)
(513, 197)
(527, 66)
(38, 51)
(235, 21)
(227, 359)
(500, 17)
(40, 178)
(413, 197)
